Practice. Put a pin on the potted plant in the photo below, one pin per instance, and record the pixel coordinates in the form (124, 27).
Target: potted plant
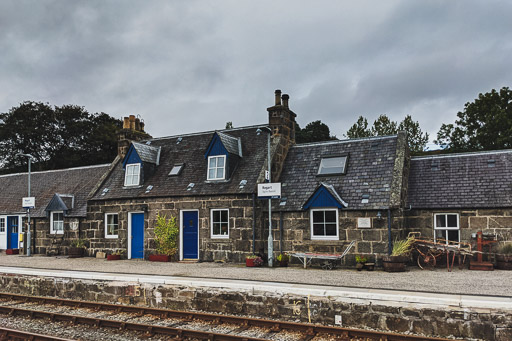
(283, 259)
(504, 257)
(77, 248)
(12, 251)
(253, 260)
(360, 262)
(397, 261)
(116, 255)
(166, 238)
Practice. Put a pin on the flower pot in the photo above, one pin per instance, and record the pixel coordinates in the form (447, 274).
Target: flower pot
(504, 262)
(159, 258)
(76, 252)
(283, 263)
(250, 262)
(394, 263)
(359, 266)
(113, 257)
(12, 251)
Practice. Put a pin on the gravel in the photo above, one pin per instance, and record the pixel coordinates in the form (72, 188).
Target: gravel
(493, 283)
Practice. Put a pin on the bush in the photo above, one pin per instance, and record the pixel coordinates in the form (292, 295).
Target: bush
(166, 235)
(402, 247)
(506, 249)
(79, 243)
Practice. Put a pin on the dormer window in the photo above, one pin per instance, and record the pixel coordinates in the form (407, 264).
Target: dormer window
(332, 165)
(217, 167)
(132, 175)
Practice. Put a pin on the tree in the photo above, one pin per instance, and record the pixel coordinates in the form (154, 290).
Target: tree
(56, 137)
(383, 126)
(313, 132)
(484, 124)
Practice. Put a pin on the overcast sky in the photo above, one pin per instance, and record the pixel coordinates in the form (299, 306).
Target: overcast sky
(188, 66)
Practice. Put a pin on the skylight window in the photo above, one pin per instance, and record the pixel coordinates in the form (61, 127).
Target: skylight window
(176, 169)
(332, 165)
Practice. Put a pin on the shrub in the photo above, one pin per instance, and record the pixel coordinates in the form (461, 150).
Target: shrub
(402, 247)
(506, 249)
(79, 243)
(166, 235)
(361, 259)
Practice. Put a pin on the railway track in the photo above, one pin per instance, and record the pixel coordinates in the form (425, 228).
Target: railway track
(179, 325)
(13, 334)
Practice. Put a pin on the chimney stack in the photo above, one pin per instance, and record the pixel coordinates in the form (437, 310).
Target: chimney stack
(133, 130)
(278, 97)
(285, 100)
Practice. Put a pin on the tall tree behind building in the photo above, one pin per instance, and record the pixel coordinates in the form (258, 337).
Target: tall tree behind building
(484, 124)
(313, 132)
(383, 126)
(57, 137)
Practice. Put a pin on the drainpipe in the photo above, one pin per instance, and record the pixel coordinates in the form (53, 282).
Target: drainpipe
(281, 232)
(389, 232)
(253, 224)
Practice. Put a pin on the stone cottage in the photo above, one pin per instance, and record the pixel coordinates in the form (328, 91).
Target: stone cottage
(60, 207)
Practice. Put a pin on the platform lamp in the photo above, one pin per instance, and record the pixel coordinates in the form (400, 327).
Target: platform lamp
(29, 239)
(268, 178)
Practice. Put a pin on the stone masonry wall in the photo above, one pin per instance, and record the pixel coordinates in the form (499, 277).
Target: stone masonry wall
(43, 237)
(484, 324)
(369, 241)
(234, 249)
(495, 221)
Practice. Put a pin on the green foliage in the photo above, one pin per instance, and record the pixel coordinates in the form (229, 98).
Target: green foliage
(361, 259)
(402, 247)
(57, 137)
(252, 257)
(166, 235)
(229, 125)
(283, 257)
(506, 249)
(80, 243)
(383, 126)
(485, 124)
(313, 132)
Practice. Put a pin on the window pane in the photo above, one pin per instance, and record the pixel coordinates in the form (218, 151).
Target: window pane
(330, 216)
(330, 229)
(216, 229)
(224, 216)
(220, 173)
(213, 162)
(318, 216)
(333, 165)
(440, 236)
(318, 230)
(452, 220)
(224, 229)
(453, 235)
(211, 174)
(216, 216)
(220, 162)
(440, 220)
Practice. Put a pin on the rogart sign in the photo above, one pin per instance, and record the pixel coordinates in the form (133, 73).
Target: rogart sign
(28, 202)
(269, 191)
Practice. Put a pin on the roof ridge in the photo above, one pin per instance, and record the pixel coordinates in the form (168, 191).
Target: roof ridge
(57, 170)
(345, 141)
(466, 154)
(206, 132)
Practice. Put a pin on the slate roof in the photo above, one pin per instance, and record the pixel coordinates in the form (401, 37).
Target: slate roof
(147, 153)
(231, 143)
(468, 180)
(369, 171)
(44, 185)
(190, 151)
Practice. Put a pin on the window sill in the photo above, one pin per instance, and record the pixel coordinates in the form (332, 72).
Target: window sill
(56, 232)
(220, 237)
(217, 181)
(112, 237)
(134, 186)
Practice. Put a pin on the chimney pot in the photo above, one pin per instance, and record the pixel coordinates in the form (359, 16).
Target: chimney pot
(132, 122)
(285, 100)
(278, 97)
(137, 124)
(126, 123)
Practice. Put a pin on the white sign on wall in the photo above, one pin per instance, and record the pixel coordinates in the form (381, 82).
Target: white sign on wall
(28, 202)
(269, 191)
(364, 223)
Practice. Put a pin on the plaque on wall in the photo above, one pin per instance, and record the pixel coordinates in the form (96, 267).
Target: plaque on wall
(73, 224)
(364, 223)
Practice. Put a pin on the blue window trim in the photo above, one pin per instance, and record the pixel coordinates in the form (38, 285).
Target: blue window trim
(216, 147)
(131, 157)
(322, 198)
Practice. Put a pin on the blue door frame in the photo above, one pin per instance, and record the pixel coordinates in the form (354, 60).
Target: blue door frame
(12, 232)
(137, 237)
(190, 227)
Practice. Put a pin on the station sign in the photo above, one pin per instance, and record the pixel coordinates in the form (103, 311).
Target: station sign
(269, 190)
(28, 202)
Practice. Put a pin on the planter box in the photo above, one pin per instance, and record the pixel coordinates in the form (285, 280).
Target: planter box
(113, 257)
(159, 258)
(250, 262)
(394, 263)
(76, 252)
(12, 251)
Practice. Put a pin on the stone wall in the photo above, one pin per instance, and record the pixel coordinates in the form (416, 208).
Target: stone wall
(480, 324)
(43, 238)
(493, 221)
(233, 249)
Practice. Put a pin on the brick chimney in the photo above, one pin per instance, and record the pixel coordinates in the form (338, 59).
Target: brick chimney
(281, 121)
(133, 130)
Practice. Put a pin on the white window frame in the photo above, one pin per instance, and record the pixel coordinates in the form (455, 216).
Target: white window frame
(436, 228)
(3, 225)
(107, 235)
(313, 237)
(218, 236)
(52, 230)
(216, 167)
(128, 175)
(322, 166)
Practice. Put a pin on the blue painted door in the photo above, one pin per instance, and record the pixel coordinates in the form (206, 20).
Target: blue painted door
(190, 235)
(12, 228)
(137, 250)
